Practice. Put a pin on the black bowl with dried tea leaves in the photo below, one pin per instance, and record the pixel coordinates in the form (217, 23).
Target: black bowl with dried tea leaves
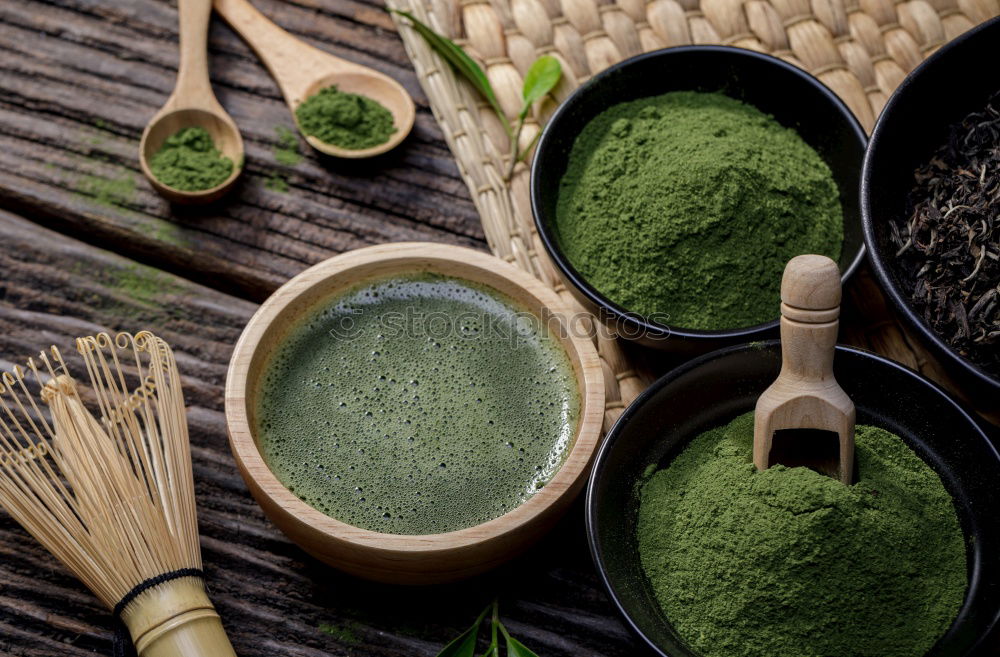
(949, 246)
(930, 198)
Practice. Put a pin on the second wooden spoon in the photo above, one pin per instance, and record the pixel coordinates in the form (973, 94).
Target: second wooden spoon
(302, 70)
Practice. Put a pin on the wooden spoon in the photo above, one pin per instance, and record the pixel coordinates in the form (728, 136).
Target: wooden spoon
(806, 396)
(302, 70)
(192, 104)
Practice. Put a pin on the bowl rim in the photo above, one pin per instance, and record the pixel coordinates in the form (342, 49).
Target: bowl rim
(591, 516)
(412, 256)
(580, 283)
(879, 265)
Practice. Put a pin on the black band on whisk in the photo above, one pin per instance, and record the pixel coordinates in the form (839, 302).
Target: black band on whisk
(122, 642)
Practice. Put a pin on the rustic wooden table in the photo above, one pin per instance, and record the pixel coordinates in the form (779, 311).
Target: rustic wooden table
(88, 246)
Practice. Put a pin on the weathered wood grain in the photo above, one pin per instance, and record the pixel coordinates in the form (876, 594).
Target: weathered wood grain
(79, 80)
(272, 597)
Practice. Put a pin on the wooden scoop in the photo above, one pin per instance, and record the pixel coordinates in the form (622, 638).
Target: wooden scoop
(302, 70)
(805, 418)
(192, 104)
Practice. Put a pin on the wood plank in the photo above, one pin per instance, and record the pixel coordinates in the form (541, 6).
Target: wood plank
(273, 598)
(78, 81)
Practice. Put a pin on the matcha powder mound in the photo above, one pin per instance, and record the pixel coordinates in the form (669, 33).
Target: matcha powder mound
(791, 563)
(685, 208)
(346, 120)
(189, 161)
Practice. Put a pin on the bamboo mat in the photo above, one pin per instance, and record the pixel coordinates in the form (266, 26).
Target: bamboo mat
(862, 49)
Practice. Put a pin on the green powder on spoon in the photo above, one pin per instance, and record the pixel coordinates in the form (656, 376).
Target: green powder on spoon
(346, 120)
(685, 208)
(790, 563)
(190, 162)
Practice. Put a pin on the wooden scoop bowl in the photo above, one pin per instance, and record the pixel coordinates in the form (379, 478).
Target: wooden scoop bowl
(805, 418)
(302, 70)
(192, 104)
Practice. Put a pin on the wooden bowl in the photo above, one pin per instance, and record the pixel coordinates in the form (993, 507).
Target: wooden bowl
(404, 559)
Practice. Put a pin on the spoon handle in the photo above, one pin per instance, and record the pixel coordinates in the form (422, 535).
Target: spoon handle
(193, 84)
(292, 63)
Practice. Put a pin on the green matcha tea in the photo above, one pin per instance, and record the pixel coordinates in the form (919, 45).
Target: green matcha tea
(791, 563)
(347, 120)
(417, 405)
(189, 161)
(685, 207)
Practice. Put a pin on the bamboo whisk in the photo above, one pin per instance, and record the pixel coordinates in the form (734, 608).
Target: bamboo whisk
(112, 497)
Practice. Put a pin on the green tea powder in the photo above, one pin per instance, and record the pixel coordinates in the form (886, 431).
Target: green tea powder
(791, 563)
(346, 120)
(685, 208)
(190, 162)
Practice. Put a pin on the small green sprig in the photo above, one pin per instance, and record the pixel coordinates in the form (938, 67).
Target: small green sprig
(542, 76)
(465, 644)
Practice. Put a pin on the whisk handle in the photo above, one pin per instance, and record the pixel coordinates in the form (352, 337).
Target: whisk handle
(194, 635)
(176, 619)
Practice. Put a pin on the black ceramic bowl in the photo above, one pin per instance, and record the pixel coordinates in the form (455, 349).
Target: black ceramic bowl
(953, 82)
(710, 391)
(795, 98)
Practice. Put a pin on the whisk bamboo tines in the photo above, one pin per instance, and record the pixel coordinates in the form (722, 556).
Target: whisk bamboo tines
(112, 496)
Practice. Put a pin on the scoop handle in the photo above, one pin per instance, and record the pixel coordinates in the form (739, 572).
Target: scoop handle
(810, 308)
(176, 619)
(806, 395)
(193, 84)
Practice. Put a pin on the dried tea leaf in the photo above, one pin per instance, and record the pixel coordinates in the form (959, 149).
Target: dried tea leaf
(948, 248)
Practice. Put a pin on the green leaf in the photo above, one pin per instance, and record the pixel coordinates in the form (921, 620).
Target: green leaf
(465, 644)
(517, 649)
(462, 63)
(540, 79)
(514, 647)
